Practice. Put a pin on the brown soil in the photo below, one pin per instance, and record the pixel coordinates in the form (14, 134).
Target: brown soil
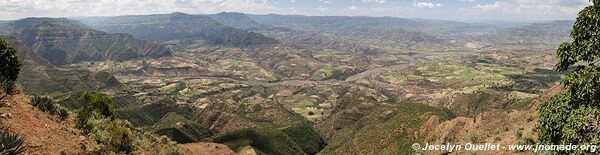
(44, 133)
(496, 127)
(207, 149)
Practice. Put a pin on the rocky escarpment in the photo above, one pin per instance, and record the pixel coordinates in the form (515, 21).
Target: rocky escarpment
(38, 76)
(63, 41)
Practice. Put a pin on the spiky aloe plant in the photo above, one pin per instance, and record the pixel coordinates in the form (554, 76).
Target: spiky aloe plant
(62, 113)
(44, 103)
(11, 144)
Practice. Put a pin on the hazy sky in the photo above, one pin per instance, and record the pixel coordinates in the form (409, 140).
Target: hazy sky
(463, 10)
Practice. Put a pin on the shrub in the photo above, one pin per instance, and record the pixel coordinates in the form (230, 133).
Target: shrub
(473, 137)
(97, 119)
(44, 103)
(98, 102)
(11, 143)
(121, 137)
(112, 135)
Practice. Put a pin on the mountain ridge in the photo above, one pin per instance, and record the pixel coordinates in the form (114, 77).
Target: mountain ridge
(39, 76)
(180, 26)
(63, 41)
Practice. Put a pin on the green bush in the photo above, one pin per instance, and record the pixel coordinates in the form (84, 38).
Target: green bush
(11, 143)
(98, 102)
(97, 119)
(111, 135)
(120, 137)
(473, 137)
(44, 103)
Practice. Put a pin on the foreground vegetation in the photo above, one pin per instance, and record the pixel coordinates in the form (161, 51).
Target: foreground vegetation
(97, 120)
(572, 118)
(11, 143)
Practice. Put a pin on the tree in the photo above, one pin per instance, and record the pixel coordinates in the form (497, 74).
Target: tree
(96, 106)
(9, 67)
(574, 117)
(97, 102)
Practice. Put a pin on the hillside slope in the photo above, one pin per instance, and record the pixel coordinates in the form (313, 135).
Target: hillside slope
(47, 134)
(496, 127)
(64, 41)
(44, 134)
(39, 76)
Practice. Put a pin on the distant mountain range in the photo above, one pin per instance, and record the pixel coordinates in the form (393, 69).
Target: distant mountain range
(64, 41)
(413, 33)
(61, 41)
(166, 27)
(38, 76)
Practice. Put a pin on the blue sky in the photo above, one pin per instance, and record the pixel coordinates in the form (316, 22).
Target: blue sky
(461, 10)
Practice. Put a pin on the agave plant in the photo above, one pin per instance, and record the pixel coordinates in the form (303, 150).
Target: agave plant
(11, 144)
(44, 103)
(9, 88)
(63, 113)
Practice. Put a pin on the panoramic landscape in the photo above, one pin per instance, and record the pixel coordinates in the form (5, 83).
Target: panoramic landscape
(281, 77)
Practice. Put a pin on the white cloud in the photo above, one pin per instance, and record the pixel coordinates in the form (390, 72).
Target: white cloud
(377, 11)
(490, 7)
(323, 8)
(373, 1)
(326, 1)
(572, 6)
(528, 9)
(352, 7)
(534, 7)
(467, 0)
(426, 4)
(13, 9)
